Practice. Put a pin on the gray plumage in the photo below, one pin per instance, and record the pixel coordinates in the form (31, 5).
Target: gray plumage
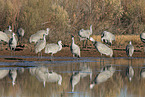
(129, 49)
(85, 71)
(38, 35)
(13, 75)
(85, 34)
(75, 78)
(21, 33)
(53, 48)
(142, 73)
(4, 37)
(102, 48)
(103, 76)
(54, 77)
(142, 37)
(12, 42)
(3, 73)
(107, 37)
(75, 49)
(130, 72)
(40, 45)
(41, 73)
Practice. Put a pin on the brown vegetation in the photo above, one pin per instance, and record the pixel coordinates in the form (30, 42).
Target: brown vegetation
(65, 17)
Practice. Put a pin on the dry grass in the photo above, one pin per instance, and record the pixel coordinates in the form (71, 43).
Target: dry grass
(123, 40)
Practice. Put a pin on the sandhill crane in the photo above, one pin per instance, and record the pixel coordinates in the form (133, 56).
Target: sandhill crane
(3, 38)
(54, 77)
(40, 45)
(85, 34)
(38, 35)
(107, 37)
(103, 76)
(130, 50)
(102, 48)
(75, 49)
(9, 33)
(142, 37)
(130, 72)
(75, 78)
(21, 33)
(53, 48)
(13, 75)
(12, 42)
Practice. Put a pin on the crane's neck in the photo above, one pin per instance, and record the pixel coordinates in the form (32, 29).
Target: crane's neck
(44, 38)
(130, 43)
(91, 28)
(73, 40)
(47, 30)
(10, 29)
(60, 46)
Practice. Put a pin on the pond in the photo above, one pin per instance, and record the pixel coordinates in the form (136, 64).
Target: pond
(90, 76)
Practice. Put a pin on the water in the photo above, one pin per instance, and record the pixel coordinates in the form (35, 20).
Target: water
(29, 85)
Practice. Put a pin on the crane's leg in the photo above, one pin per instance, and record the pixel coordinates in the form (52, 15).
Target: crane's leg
(41, 54)
(86, 44)
(52, 57)
(1, 46)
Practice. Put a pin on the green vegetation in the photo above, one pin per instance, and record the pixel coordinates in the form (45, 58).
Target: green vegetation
(66, 17)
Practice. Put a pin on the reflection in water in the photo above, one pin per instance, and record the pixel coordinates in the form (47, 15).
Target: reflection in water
(130, 72)
(103, 76)
(43, 75)
(75, 78)
(111, 80)
(13, 75)
(3, 73)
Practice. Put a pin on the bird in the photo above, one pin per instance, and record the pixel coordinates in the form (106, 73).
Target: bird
(75, 78)
(40, 45)
(9, 32)
(3, 38)
(13, 75)
(130, 50)
(38, 35)
(85, 34)
(103, 76)
(85, 70)
(12, 42)
(142, 37)
(53, 48)
(21, 33)
(102, 48)
(3, 73)
(130, 72)
(107, 37)
(41, 74)
(54, 77)
(75, 49)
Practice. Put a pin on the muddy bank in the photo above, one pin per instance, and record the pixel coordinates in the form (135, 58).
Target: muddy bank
(65, 52)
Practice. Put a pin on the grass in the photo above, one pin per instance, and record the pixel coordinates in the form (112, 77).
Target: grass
(123, 40)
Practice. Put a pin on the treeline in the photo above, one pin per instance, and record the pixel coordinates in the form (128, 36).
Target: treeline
(66, 17)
